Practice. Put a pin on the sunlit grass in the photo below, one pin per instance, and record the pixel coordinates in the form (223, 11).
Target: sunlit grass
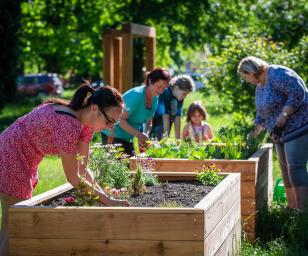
(51, 174)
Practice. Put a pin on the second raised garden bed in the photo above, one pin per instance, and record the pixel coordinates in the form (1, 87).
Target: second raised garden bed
(256, 180)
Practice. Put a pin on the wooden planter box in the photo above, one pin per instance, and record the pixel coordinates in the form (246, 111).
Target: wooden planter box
(256, 180)
(212, 227)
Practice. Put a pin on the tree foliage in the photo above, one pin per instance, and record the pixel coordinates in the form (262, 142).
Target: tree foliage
(9, 26)
(66, 35)
(222, 68)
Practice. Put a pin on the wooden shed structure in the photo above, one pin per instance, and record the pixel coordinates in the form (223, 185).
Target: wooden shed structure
(118, 54)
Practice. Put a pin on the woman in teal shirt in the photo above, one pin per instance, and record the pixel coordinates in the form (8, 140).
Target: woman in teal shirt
(140, 105)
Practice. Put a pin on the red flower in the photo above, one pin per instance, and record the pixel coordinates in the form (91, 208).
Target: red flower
(69, 199)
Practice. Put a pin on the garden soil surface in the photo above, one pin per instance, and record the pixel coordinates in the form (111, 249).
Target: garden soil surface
(166, 194)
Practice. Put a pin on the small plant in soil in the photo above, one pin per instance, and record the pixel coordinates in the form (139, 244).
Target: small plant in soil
(171, 204)
(208, 174)
(110, 166)
(138, 182)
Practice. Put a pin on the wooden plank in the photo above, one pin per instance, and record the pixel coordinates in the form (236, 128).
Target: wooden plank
(84, 247)
(219, 201)
(106, 226)
(251, 236)
(150, 46)
(246, 168)
(138, 30)
(249, 223)
(111, 210)
(232, 245)
(118, 63)
(108, 59)
(41, 198)
(248, 206)
(217, 237)
(127, 57)
(248, 189)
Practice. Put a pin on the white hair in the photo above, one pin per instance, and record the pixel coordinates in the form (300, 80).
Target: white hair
(251, 64)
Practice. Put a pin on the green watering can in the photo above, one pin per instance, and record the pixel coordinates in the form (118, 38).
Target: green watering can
(279, 191)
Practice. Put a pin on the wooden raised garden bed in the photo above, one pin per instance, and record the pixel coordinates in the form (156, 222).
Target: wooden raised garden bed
(212, 227)
(256, 180)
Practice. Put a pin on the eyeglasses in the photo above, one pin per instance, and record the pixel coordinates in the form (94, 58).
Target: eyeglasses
(109, 122)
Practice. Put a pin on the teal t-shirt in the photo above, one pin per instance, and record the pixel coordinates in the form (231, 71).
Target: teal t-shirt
(135, 105)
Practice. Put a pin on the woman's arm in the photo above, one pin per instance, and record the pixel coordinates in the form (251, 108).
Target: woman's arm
(142, 137)
(75, 170)
(185, 133)
(177, 127)
(208, 134)
(166, 124)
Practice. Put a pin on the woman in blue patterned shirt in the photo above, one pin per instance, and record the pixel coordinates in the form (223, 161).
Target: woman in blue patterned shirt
(282, 108)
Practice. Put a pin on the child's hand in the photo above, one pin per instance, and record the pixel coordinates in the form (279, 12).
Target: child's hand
(205, 138)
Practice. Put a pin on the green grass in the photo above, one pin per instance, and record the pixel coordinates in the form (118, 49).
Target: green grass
(51, 174)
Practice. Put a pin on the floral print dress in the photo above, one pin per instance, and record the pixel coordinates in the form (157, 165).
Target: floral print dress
(24, 144)
(283, 88)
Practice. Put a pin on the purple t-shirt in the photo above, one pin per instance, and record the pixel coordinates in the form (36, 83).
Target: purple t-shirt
(283, 88)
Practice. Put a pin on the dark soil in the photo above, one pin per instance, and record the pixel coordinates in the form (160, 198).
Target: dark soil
(166, 194)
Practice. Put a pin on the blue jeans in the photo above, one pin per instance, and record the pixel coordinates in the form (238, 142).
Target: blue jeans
(293, 158)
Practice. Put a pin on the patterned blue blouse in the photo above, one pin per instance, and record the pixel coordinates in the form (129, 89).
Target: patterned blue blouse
(283, 88)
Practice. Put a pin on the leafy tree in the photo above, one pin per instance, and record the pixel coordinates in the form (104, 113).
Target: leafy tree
(9, 26)
(223, 75)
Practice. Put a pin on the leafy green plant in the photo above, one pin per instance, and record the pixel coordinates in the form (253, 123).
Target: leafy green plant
(208, 175)
(232, 142)
(82, 197)
(171, 204)
(110, 166)
(138, 181)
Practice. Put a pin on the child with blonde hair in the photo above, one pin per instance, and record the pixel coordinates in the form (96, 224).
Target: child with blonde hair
(196, 128)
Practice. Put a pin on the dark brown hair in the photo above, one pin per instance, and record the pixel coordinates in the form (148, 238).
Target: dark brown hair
(196, 106)
(157, 74)
(86, 95)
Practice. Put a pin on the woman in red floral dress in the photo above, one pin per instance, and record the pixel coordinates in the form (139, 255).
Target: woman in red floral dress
(59, 128)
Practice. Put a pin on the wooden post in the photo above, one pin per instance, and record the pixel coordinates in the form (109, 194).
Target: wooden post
(150, 45)
(127, 54)
(108, 59)
(118, 62)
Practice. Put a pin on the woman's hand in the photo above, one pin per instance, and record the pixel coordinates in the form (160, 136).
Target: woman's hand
(259, 128)
(142, 139)
(117, 202)
(281, 121)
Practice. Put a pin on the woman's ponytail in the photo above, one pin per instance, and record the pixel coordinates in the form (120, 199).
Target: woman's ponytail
(86, 95)
(81, 97)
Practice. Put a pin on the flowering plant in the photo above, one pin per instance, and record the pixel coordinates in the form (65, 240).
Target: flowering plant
(110, 166)
(208, 174)
(122, 193)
